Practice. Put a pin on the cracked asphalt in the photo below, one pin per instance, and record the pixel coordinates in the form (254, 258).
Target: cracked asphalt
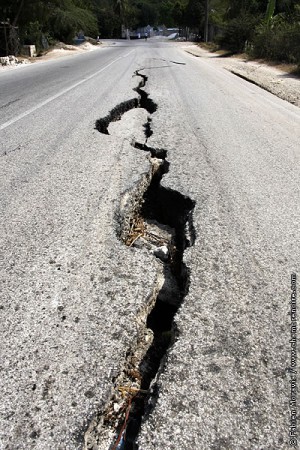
(74, 298)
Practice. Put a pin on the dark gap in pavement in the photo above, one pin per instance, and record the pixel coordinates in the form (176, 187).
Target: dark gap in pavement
(144, 101)
(165, 207)
(147, 128)
(154, 152)
(165, 217)
(169, 60)
(177, 62)
(115, 114)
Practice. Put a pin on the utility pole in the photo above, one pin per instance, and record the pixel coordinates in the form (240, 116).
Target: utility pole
(206, 21)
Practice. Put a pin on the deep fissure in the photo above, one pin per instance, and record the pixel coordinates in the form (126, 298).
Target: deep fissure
(159, 153)
(143, 101)
(115, 114)
(165, 218)
(164, 207)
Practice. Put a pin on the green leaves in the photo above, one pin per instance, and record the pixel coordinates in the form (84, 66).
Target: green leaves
(270, 10)
(62, 19)
(67, 19)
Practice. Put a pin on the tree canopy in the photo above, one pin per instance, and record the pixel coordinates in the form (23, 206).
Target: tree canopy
(258, 25)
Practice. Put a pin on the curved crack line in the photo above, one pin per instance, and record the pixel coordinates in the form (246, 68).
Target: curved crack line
(115, 114)
(169, 213)
(160, 220)
(143, 101)
(169, 60)
(9, 103)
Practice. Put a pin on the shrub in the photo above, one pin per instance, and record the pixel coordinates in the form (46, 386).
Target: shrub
(65, 23)
(32, 34)
(237, 32)
(278, 41)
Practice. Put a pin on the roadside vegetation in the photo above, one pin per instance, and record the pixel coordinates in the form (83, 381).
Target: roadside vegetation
(262, 28)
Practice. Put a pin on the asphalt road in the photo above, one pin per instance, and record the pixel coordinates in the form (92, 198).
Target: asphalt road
(75, 301)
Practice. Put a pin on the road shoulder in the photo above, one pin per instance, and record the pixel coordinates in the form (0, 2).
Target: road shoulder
(279, 82)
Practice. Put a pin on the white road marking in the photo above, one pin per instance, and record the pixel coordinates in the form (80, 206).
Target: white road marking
(40, 105)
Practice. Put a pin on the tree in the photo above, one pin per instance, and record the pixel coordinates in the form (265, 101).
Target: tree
(147, 13)
(195, 14)
(179, 13)
(166, 13)
(68, 17)
(60, 19)
(127, 12)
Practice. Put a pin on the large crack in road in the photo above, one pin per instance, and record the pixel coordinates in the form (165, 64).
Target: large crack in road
(160, 220)
(119, 110)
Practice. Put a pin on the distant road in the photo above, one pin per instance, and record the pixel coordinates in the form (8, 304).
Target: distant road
(75, 301)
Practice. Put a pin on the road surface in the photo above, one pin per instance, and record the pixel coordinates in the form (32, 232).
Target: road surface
(150, 210)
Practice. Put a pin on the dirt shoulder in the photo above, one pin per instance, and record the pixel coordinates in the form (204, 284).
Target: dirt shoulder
(277, 79)
(59, 51)
(62, 49)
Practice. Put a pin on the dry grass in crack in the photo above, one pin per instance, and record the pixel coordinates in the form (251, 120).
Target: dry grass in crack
(124, 395)
(137, 230)
(131, 394)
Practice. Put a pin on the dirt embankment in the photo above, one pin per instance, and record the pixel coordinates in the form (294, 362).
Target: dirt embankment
(59, 51)
(277, 79)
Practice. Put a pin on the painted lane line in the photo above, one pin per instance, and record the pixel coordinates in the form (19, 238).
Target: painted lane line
(54, 97)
